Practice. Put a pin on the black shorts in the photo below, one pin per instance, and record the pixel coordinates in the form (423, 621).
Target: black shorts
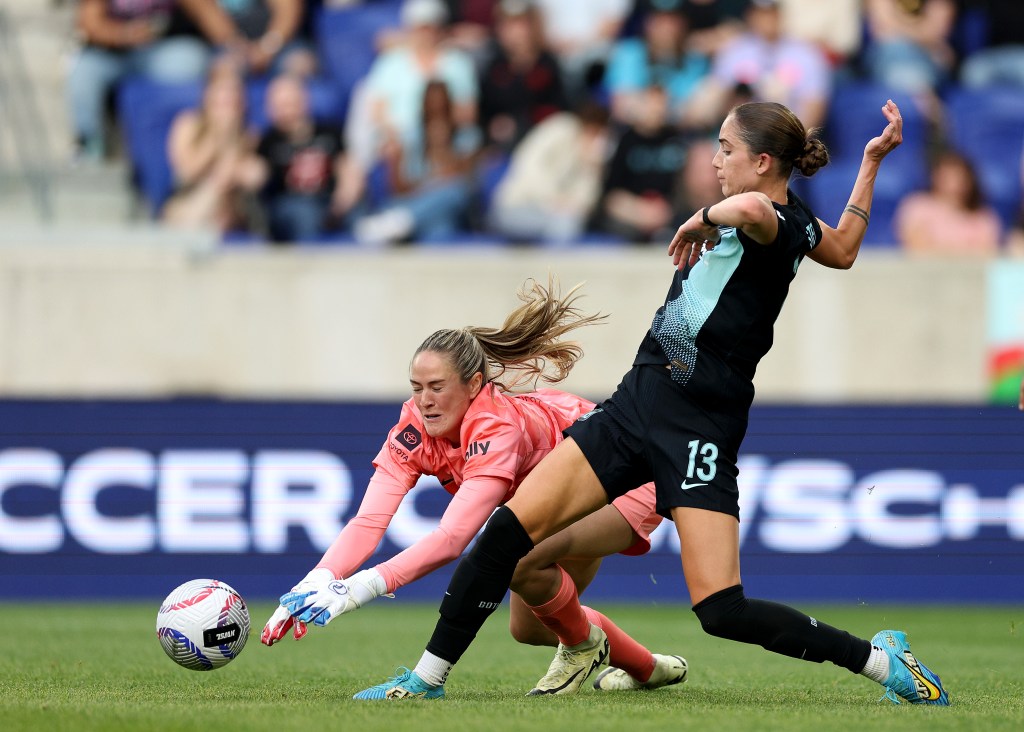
(651, 430)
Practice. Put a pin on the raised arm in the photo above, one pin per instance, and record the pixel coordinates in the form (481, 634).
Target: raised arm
(839, 246)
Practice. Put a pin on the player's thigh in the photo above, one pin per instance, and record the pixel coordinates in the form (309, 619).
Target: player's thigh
(560, 490)
(709, 546)
(599, 534)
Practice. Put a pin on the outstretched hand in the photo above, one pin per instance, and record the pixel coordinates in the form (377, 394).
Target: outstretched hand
(279, 625)
(282, 621)
(326, 600)
(878, 147)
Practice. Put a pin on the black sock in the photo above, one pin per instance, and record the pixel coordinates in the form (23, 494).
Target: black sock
(479, 584)
(780, 629)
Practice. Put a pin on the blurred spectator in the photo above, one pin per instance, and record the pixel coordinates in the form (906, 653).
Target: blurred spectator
(269, 36)
(554, 179)
(471, 27)
(950, 217)
(642, 182)
(775, 67)
(388, 104)
(216, 172)
(714, 23)
(581, 34)
(313, 187)
(522, 83)
(432, 181)
(835, 26)
(125, 37)
(660, 56)
(1015, 238)
(1001, 61)
(909, 43)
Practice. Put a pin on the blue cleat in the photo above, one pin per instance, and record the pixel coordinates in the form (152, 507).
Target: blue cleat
(908, 678)
(407, 685)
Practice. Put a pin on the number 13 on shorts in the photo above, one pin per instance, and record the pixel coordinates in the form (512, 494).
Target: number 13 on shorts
(702, 464)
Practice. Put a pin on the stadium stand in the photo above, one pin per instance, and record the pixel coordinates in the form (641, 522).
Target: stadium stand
(146, 110)
(346, 38)
(987, 125)
(851, 122)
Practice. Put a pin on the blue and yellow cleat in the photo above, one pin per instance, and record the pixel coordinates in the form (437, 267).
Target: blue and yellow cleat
(908, 678)
(407, 685)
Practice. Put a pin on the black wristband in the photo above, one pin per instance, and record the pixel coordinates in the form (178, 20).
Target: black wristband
(707, 219)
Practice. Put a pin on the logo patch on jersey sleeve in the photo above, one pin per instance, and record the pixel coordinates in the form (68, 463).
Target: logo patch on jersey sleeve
(409, 437)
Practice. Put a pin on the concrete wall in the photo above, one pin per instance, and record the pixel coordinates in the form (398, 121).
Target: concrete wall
(126, 320)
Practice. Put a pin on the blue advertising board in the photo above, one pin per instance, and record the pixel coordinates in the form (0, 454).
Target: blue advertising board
(126, 499)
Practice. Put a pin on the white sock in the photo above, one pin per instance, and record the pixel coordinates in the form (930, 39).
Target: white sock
(432, 669)
(877, 667)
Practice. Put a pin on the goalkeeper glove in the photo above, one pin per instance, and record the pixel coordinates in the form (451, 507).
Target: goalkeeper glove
(334, 598)
(282, 621)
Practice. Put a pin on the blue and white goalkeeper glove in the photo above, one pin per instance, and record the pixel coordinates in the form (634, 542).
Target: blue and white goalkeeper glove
(335, 597)
(282, 621)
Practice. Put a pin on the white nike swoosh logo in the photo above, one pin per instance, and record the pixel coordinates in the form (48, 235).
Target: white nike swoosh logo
(687, 486)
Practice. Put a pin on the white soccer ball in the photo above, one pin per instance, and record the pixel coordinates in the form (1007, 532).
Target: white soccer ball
(203, 624)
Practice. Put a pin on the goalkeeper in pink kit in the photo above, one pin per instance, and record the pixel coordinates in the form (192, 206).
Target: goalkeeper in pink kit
(480, 441)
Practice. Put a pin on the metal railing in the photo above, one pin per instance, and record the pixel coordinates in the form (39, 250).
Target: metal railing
(28, 158)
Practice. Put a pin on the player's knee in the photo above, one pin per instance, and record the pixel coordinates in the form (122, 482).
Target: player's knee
(528, 631)
(504, 541)
(482, 578)
(720, 613)
(524, 570)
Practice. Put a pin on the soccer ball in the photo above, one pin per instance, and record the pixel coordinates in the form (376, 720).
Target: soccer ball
(203, 624)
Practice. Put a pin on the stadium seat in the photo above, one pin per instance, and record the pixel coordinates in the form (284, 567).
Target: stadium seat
(828, 192)
(489, 173)
(987, 125)
(855, 116)
(146, 110)
(346, 38)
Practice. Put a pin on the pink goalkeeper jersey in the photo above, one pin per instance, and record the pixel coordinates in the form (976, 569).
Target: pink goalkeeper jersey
(503, 437)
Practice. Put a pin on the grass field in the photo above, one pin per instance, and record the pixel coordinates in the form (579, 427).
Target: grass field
(100, 667)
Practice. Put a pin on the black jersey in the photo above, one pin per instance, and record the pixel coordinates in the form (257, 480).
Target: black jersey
(718, 319)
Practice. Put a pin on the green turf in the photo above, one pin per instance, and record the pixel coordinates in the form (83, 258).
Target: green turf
(94, 667)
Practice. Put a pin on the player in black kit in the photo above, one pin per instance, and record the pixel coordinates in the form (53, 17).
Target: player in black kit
(679, 416)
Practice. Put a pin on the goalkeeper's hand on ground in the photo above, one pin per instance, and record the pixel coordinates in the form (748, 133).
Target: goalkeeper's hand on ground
(335, 597)
(282, 621)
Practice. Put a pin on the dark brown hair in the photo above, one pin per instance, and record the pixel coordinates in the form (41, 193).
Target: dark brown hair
(975, 198)
(771, 128)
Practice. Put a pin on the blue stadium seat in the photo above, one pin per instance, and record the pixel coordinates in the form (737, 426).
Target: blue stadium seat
(489, 173)
(855, 116)
(987, 125)
(828, 192)
(345, 39)
(145, 111)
